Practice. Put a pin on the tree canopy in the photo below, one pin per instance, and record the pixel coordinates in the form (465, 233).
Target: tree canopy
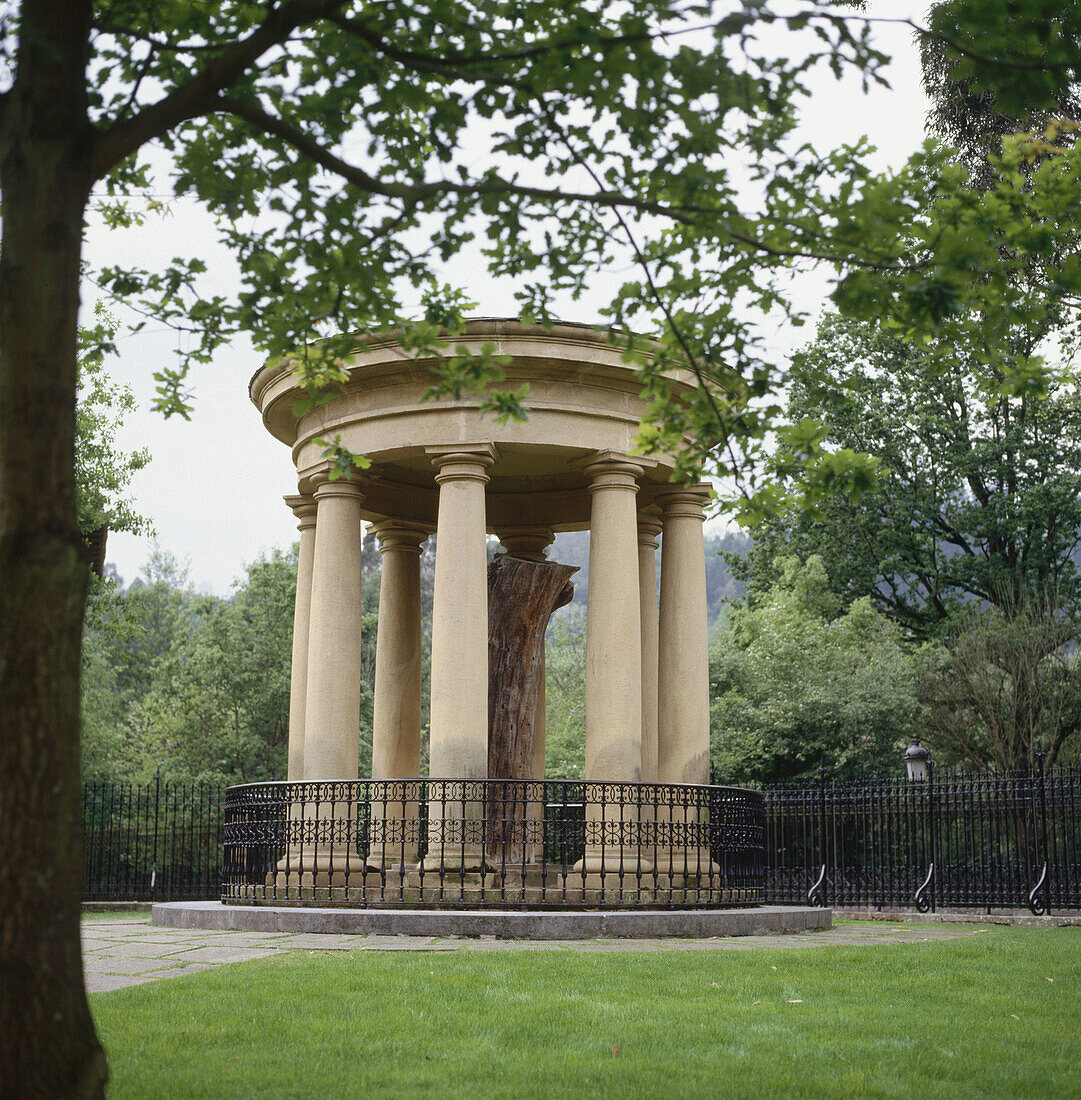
(103, 472)
(800, 680)
(977, 491)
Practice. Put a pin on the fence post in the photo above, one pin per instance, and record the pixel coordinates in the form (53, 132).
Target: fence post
(824, 848)
(1041, 831)
(157, 802)
(934, 846)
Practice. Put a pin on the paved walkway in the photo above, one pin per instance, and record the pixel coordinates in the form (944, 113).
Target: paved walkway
(119, 953)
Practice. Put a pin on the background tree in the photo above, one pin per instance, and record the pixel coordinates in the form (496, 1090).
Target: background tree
(128, 640)
(798, 678)
(978, 487)
(196, 687)
(103, 473)
(964, 110)
(971, 497)
(218, 708)
(103, 476)
(1003, 685)
(976, 505)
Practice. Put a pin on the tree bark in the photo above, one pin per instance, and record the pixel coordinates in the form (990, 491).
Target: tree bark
(522, 595)
(49, 1046)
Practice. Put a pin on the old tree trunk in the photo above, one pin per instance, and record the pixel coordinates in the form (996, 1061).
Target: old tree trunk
(48, 1047)
(522, 595)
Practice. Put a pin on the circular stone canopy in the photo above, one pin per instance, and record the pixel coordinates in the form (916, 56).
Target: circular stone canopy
(583, 400)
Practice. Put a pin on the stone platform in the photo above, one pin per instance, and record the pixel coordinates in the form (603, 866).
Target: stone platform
(538, 888)
(504, 923)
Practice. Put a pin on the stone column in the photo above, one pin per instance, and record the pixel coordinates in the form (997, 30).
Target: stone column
(683, 674)
(332, 714)
(531, 543)
(396, 712)
(649, 527)
(304, 509)
(458, 747)
(613, 664)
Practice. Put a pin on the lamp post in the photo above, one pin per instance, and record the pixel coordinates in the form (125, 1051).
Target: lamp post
(918, 765)
(917, 760)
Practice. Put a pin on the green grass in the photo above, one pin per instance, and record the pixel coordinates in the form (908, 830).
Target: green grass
(120, 914)
(969, 1017)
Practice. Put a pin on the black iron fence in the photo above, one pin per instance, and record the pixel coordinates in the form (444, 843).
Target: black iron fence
(955, 839)
(492, 842)
(987, 839)
(156, 841)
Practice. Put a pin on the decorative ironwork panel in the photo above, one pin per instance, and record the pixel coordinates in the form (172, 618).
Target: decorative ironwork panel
(493, 842)
(957, 839)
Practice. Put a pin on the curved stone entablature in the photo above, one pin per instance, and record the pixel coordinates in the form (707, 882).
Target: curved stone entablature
(583, 400)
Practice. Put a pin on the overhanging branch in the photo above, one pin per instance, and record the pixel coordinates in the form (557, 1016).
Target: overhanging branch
(198, 96)
(426, 190)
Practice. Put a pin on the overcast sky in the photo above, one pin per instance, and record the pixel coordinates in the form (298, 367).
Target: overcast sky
(214, 488)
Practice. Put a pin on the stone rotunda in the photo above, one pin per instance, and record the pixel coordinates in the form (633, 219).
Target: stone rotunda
(441, 467)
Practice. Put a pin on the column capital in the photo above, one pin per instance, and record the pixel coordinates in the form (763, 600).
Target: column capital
(394, 534)
(527, 542)
(304, 508)
(611, 470)
(340, 488)
(602, 462)
(649, 527)
(686, 501)
(462, 461)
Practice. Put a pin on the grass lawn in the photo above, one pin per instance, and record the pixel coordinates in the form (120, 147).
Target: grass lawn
(126, 914)
(997, 1014)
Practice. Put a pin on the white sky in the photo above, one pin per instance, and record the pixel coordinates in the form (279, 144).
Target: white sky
(213, 490)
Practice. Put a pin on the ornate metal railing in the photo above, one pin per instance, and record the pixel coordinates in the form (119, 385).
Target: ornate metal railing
(990, 839)
(994, 839)
(156, 841)
(551, 844)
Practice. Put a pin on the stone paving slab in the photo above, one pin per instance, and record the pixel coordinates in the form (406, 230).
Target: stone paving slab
(180, 971)
(320, 942)
(148, 948)
(139, 952)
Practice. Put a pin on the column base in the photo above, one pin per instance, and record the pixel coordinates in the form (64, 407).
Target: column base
(611, 861)
(689, 867)
(316, 869)
(456, 857)
(392, 862)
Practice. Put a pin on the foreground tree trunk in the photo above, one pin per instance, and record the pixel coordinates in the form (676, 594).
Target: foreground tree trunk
(48, 1045)
(521, 598)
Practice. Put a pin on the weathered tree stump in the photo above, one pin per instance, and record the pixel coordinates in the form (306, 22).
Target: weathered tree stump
(522, 594)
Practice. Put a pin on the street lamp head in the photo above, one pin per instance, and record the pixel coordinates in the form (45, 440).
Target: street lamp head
(917, 760)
